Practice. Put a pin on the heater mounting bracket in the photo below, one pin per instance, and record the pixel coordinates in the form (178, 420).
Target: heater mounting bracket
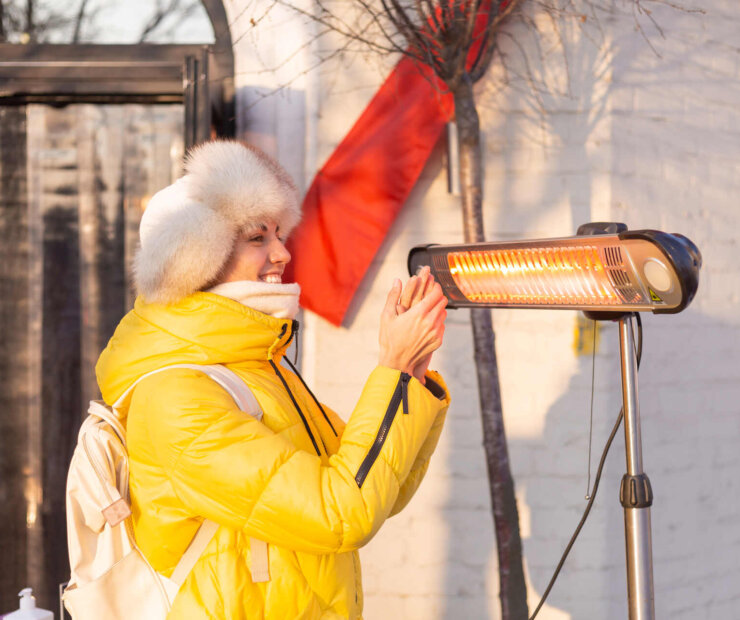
(598, 315)
(601, 228)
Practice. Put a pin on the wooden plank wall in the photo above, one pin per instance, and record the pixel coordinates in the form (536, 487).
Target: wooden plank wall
(73, 182)
(15, 259)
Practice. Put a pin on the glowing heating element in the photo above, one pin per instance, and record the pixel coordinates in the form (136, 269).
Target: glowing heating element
(570, 275)
(631, 271)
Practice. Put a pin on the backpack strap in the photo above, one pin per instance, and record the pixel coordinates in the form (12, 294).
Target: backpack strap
(246, 401)
(99, 409)
(235, 386)
(195, 549)
(259, 565)
(227, 379)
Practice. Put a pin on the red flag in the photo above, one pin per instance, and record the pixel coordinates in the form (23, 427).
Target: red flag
(355, 197)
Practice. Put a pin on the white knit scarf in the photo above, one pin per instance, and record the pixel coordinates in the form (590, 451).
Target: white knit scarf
(278, 300)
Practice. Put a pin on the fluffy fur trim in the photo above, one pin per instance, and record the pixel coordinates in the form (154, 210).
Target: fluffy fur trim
(188, 229)
(244, 184)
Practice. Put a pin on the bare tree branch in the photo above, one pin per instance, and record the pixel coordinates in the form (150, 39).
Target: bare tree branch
(161, 12)
(78, 21)
(637, 9)
(412, 34)
(344, 29)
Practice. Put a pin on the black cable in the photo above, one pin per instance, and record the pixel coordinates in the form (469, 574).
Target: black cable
(597, 479)
(591, 412)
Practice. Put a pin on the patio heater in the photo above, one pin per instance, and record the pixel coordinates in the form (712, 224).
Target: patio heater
(609, 273)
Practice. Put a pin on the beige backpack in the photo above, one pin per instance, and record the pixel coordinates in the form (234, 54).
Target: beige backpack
(111, 578)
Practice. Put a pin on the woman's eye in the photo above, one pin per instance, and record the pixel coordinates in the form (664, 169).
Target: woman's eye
(257, 238)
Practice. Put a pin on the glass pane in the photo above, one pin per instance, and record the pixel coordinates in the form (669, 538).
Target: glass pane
(105, 21)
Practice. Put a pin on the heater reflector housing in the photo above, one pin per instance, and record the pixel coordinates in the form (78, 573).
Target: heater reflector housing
(631, 271)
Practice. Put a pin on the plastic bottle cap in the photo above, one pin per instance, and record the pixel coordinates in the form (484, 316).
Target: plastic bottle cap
(27, 608)
(28, 601)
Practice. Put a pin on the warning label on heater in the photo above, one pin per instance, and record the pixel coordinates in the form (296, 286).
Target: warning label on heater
(654, 296)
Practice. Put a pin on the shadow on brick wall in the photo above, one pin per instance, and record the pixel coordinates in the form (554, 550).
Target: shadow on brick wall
(689, 437)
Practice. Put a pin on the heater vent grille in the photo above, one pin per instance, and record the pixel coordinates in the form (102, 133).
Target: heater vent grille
(626, 291)
(619, 276)
(613, 256)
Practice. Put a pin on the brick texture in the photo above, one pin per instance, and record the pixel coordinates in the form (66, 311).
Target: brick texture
(609, 123)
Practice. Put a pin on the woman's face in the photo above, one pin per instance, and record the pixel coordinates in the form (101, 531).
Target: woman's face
(259, 255)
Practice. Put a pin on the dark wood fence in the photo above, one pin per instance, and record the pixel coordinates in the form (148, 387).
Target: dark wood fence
(73, 183)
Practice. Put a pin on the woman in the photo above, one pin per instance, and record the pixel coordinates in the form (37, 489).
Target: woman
(209, 278)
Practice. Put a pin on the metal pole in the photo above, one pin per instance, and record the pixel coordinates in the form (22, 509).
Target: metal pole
(635, 494)
(453, 159)
(190, 101)
(203, 104)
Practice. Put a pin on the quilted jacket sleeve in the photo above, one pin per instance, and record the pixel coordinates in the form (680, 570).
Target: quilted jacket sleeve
(232, 469)
(421, 463)
(437, 387)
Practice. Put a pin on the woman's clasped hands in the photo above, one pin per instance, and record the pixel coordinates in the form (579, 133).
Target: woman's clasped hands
(412, 324)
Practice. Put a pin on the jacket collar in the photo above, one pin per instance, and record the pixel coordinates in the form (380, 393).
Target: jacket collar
(202, 328)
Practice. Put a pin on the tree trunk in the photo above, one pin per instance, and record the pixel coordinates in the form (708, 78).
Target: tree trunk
(513, 592)
(3, 35)
(30, 21)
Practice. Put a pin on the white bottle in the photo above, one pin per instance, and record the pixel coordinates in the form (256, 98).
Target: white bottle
(28, 609)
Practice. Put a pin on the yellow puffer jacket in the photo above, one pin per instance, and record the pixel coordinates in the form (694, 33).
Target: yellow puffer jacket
(313, 489)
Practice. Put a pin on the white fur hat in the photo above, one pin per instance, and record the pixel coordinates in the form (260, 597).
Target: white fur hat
(188, 229)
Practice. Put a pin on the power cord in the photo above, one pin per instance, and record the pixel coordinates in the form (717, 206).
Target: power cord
(597, 479)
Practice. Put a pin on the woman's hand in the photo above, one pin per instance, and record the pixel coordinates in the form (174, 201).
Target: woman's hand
(415, 290)
(409, 334)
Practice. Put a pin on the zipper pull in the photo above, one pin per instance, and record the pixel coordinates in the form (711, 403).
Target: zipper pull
(294, 326)
(277, 342)
(405, 378)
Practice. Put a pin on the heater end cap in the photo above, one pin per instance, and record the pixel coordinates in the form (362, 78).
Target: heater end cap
(418, 257)
(683, 255)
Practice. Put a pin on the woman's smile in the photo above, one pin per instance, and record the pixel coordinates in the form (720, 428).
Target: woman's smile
(272, 278)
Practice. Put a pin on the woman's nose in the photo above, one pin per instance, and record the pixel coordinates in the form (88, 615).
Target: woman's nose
(279, 253)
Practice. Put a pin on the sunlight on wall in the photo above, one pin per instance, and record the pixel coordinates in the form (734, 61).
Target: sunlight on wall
(598, 129)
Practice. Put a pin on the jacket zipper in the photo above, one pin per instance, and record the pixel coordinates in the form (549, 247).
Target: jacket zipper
(399, 396)
(287, 389)
(308, 389)
(297, 408)
(295, 326)
(357, 578)
(405, 378)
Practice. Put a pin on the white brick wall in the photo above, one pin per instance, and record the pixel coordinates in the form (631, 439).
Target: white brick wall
(632, 136)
